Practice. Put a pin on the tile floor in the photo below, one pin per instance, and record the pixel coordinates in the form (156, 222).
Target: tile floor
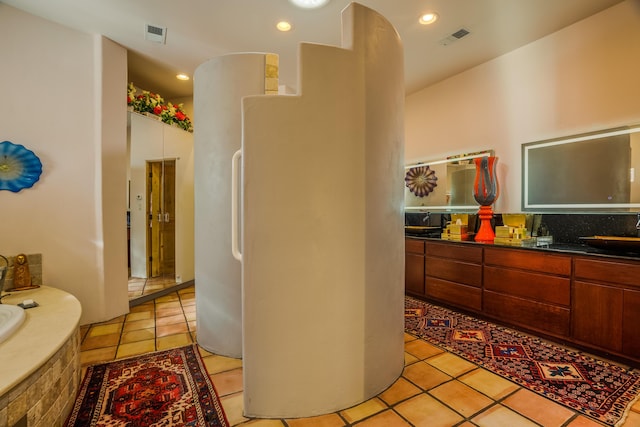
(140, 286)
(436, 388)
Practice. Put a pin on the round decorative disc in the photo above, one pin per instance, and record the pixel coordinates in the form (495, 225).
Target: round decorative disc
(421, 180)
(19, 167)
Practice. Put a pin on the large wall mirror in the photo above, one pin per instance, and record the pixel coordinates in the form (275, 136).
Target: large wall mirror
(160, 215)
(586, 172)
(443, 185)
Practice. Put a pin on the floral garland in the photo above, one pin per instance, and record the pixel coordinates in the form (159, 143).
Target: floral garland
(152, 103)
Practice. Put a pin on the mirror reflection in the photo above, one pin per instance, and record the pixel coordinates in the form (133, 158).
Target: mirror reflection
(160, 207)
(442, 185)
(594, 171)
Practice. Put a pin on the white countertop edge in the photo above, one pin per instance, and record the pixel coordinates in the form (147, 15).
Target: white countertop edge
(45, 330)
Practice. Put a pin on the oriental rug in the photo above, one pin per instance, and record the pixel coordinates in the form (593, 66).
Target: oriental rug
(598, 389)
(165, 388)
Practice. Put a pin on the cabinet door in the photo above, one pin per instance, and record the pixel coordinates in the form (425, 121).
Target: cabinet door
(631, 324)
(597, 315)
(414, 273)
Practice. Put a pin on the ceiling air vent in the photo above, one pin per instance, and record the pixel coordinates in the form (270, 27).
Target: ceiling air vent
(455, 36)
(155, 34)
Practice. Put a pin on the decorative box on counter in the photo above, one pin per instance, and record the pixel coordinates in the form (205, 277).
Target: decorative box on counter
(514, 231)
(457, 229)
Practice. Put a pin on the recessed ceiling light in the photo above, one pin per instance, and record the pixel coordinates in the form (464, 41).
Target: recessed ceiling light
(309, 4)
(182, 77)
(428, 18)
(283, 26)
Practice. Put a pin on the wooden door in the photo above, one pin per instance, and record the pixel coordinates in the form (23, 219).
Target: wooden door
(161, 218)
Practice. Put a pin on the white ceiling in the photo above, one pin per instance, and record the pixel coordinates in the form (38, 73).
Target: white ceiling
(201, 29)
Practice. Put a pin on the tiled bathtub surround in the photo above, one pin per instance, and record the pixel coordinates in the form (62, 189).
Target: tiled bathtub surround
(46, 397)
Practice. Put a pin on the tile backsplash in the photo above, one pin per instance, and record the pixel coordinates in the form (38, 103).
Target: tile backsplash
(35, 269)
(564, 227)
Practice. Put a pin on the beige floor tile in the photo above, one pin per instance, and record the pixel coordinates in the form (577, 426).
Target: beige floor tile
(189, 308)
(461, 398)
(166, 312)
(139, 324)
(100, 341)
(139, 315)
(102, 329)
(329, 420)
(409, 337)
(135, 348)
(177, 328)
(400, 390)
(451, 364)
(118, 319)
(500, 416)
(421, 349)
(233, 406)
(173, 341)
(216, 364)
(263, 423)
(582, 421)
(538, 408)
(98, 355)
(386, 418)
(168, 300)
(363, 410)
(228, 382)
(425, 411)
(424, 375)
(190, 316)
(138, 335)
(409, 359)
(147, 306)
(170, 320)
(633, 419)
(489, 383)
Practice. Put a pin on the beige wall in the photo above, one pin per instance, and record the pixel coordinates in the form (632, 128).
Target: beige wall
(60, 98)
(579, 79)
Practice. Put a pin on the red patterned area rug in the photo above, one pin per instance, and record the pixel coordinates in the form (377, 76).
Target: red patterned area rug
(165, 388)
(593, 387)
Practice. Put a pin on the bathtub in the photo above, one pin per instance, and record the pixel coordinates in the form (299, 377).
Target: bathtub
(40, 361)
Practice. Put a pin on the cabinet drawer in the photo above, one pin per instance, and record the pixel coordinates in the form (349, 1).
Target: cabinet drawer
(455, 271)
(539, 287)
(529, 260)
(461, 252)
(414, 246)
(623, 273)
(454, 293)
(532, 315)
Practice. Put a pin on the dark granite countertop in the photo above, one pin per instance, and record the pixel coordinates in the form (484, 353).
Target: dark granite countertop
(567, 248)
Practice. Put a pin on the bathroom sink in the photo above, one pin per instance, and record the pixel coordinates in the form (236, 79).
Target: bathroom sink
(11, 317)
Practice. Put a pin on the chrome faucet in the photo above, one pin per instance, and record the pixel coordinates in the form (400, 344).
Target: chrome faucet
(427, 218)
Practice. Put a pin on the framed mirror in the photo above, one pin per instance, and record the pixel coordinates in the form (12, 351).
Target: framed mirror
(588, 172)
(443, 185)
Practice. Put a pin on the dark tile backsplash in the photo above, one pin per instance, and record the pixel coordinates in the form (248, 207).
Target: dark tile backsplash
(565, 228)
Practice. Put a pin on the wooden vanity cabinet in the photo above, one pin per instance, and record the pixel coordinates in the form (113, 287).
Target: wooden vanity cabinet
(453, 274)
(606, 305)
(414, 266)
(528, 289)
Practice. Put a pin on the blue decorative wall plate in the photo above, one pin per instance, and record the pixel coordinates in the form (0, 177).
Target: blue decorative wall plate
(19, 167)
